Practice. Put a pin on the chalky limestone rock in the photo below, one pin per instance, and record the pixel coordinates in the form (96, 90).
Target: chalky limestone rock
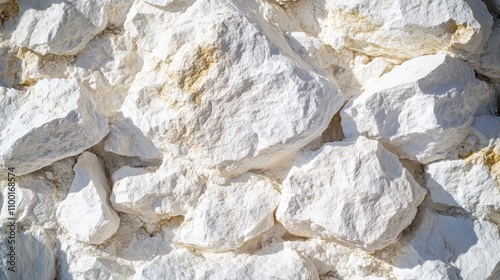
(480, 197)
(172, 190)
(183, 264)
(57, 27)
(126, 139)
(251, 139)
(447, 246)
(244, 209)
(402, 29)
(353, 191)
(34, 256)
(93, 221)
(231, 91)
(59, 119)
(421, 110)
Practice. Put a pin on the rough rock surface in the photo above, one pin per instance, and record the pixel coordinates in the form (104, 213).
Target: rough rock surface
(250, 139)
(58, 119)
(172, 190)
(94, 220)
(183, 264)
(201, 101)
(324, 195)
(244, 209)
(421, 110)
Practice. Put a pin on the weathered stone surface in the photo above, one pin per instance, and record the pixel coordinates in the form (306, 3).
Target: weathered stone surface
(172, 190)
(93, 221)
(34, 258)
(464, 184)
(35, 202)
(59, 27)
(126, 139)
(420, 110)
(227, 216)
(183, 264)
(58, 119)
(403, 30)
(250, 139)
(448, 247)
(200, 102)
(353, 191)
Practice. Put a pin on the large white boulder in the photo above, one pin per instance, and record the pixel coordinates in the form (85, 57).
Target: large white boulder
(230, 92)
(63, 28)
(421, 110)
(172, 190)
(354, 191)
(401, 29)
(86, 212)
(58, 119)
(227, 216)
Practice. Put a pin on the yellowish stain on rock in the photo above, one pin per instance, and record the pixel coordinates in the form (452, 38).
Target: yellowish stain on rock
(352, 22)
(462, 34)
(489, 157)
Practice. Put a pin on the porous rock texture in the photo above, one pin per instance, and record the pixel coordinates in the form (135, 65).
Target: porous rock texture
(250, 139)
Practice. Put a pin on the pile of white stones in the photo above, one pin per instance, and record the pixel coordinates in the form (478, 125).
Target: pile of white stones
(250, 139)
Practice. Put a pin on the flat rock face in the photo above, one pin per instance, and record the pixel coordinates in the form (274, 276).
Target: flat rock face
(94, 220)
(58, 119)
(353, 191)
(200, 101)
(250, 139)
(420, 110)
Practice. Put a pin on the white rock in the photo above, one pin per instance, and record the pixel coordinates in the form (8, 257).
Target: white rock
(109, 63)
(346, 262)
(182, 264)
(34, 257)
(227, 216)
(420, 110)
(86, 213)
(35, 201)
(81, 262)
(282, 264)
(403, 30)
(490, 58)
(447, 247)
(357, 192)
(63, 28)
(172, 190)
(466, 185)
(126, 139)
(486, 128)
(225, 88)
(161, 3)
(91, 267)
(60, 119)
